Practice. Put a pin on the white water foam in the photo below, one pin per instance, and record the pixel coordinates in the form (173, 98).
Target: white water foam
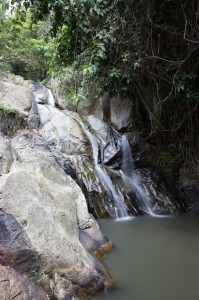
(120, 207)
(50, 99)
(133, 180)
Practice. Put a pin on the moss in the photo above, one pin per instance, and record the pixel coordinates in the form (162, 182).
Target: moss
(90, 174)
(14, 129)
(7, 111)
(35, 275)
(10, 120)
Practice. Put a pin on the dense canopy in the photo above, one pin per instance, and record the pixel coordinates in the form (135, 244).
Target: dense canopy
(145, 49)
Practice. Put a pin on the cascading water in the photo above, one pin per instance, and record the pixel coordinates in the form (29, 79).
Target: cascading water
(50, 99)
(131, 179)
(120, 208)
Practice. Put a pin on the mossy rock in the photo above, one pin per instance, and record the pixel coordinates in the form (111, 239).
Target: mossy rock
(10, 120)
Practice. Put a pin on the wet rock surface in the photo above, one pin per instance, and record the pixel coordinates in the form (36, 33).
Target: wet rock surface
(94, 241)
(164, 200)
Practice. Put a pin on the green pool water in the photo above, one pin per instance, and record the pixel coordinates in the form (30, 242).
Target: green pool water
(154, 258)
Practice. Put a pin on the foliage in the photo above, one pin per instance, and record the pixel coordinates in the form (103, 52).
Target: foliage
(7, 110)
(23, 44)
(10, 120)
(118, 44)
(146, 49)
(36, 275)
(14, 129)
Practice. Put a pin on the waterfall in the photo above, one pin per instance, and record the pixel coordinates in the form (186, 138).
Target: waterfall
(50, 99)
(120, 208)
(131, 179)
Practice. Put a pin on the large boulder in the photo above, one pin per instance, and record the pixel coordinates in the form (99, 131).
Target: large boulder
(50, 208)
(60, 130)
(117, 111)
(18, 102)
(121, 112)
(109, 139)
(15, 93)
(61, 92)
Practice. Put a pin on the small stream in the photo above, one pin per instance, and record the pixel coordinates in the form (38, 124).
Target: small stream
(154, 258)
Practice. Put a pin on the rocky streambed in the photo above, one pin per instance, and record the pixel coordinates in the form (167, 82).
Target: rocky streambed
(60, 169)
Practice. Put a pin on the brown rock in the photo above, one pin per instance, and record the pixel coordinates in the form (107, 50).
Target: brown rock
(94, 241)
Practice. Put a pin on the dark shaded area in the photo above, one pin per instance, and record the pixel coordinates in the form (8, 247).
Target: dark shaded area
(17, 286)
(11, 122)
(190, 194)
(15, 249)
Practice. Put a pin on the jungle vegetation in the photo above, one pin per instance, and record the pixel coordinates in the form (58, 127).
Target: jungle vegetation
(144, 49)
